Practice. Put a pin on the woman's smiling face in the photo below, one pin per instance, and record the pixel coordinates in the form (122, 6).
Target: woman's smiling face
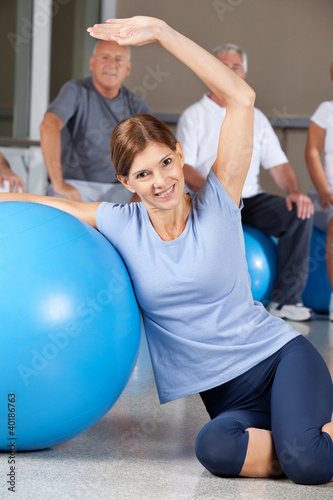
(156, 175)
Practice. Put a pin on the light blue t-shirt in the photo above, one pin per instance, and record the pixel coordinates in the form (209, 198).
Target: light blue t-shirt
(203, 327)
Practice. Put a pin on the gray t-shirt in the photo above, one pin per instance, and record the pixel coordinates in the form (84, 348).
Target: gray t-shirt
(89, 120)
(202, 325)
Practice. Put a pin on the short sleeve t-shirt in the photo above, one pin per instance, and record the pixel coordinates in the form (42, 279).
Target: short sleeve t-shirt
(198, 131)
(323, 117)
(89, 120)
(202, 325)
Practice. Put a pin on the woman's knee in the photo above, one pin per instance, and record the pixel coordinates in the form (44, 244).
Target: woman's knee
(221, 446)
(308, 464)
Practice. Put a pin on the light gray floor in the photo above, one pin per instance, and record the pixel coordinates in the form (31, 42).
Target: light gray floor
(141, 450)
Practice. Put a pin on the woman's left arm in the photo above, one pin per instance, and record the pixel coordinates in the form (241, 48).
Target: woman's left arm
(84, 211)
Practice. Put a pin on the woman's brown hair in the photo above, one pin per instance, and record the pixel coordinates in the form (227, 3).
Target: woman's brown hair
(132, 135)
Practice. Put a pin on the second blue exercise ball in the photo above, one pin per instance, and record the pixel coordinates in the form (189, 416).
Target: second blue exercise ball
(317, 292)
(261, 257)
(70, 326)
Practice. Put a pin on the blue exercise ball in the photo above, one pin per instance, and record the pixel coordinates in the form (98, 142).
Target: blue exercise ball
(317, 292)
(70, 326)
(261, 257)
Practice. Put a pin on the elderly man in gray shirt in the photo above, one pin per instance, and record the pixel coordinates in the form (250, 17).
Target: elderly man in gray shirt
(77, 126)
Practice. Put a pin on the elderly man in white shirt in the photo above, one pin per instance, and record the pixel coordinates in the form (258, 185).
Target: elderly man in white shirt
(289, 219)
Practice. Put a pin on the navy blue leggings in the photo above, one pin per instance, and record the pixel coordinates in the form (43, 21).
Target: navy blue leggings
(289, 393)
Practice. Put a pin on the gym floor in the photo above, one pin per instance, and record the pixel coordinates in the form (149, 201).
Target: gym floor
(141, 450)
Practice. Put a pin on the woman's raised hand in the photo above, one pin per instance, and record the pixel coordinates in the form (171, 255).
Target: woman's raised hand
(137, 30)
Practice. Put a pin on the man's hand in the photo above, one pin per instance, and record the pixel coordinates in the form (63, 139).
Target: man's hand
(303, 203)
(16, 184)
(68, 191)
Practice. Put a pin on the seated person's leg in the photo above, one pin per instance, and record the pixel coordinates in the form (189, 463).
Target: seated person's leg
(97, 191)
(270, 214)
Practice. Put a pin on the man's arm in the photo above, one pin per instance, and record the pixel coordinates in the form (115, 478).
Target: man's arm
(6, 174)
(50, 130)
(285, 177)
(193, 179)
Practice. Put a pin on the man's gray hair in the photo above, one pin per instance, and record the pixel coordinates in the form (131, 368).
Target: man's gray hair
(231, 47)
(99, 41)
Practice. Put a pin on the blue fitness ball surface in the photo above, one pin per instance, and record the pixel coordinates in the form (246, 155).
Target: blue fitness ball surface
(261, 257)
(70, 326)
(317, 292)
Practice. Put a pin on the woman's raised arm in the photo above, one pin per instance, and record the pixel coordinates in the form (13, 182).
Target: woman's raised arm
(84, 211)
(236, 139)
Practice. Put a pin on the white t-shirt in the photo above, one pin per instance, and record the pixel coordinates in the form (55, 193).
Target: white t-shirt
(198, 131)
(323, 117)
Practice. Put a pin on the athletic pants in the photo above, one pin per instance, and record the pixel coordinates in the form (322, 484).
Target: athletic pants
(270, 214)
(289, 393)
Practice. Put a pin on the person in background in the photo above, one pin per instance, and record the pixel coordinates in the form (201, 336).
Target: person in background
(288, 219)
(320, 141)
(8, 179)
(76, 130)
